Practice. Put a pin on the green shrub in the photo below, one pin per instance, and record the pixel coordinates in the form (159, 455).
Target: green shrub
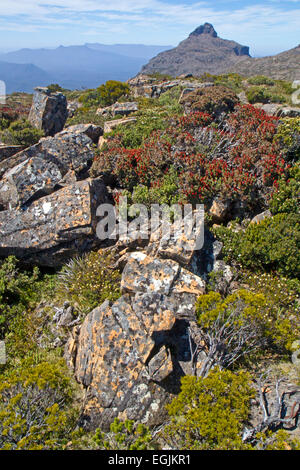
(277, 98)
(21, 133)
(124, 435)
(230, 80)
(261, 80)
(55, 87)
(272, 245)
(165, 191)
(18, 292)
(33, 404)
(281, 306)
(88, 281)
(86, 115)
(286, 197)
(258, 95)
(210, 413)
(90, 98)
(263, 309)
(133, 136)
(112, 91)
(212, 100)
(288, 135)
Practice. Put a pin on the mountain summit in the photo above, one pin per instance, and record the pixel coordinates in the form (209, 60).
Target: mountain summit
(203, 51)
(206, 28)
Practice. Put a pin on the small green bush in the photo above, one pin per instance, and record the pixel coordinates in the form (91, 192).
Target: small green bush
(272, 245)
(33, 403)
(261, 80)
(210, 413)
(164, 192)
(21, 133)
(258, 94)
(55, 87)
(111, 91)
(18, 292)
(270, 307)
(88, 281)
(124, 435)
(286, 198)
(288, 135)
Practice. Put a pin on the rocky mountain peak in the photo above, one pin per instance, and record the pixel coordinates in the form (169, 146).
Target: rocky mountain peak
(205, 28)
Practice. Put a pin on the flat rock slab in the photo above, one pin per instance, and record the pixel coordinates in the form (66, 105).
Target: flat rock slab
(55, 226)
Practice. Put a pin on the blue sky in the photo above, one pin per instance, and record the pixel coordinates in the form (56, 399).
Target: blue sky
(268, 27)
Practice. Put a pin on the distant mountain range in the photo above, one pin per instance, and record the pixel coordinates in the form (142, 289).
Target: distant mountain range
(73, 67)
(204, 52)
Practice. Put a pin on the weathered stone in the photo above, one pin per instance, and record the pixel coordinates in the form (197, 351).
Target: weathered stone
(55, 227)
(72, 108)
(288, 112)
(90, 130)
(180, 242)
(271, 108)
(124, 109)
(243, 98)
(7, 151)
(219, 210)
(223, 277)
(145, 274)
(34, 177)
(49, 111)
(260, 217)
(110, 125)
(115, 347)
(72, 149)
(2, 353)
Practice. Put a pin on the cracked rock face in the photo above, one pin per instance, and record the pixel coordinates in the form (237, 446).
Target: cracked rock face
(55, 227)
(130, 355)
(47, 166)
(49, 111)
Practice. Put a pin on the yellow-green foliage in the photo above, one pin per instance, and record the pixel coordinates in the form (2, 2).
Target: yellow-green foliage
(281, 308)
(112, 90)
(288, 135)
(88, 281)
(21, 133)
(124, 435)
(261, 308)
(210, 306)
(271, 245)
(166, 192)
(261, 80)
(210, 413)
(33, 403)
(20, 292)
(280, 440)
(286, 198)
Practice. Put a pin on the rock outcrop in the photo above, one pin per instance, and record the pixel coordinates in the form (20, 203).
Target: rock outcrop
(47, 204)
(49, 111)
(55, 227)
(144, 85)
(130, 355)
(7, 151)
(122, 109)
(48, 165)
